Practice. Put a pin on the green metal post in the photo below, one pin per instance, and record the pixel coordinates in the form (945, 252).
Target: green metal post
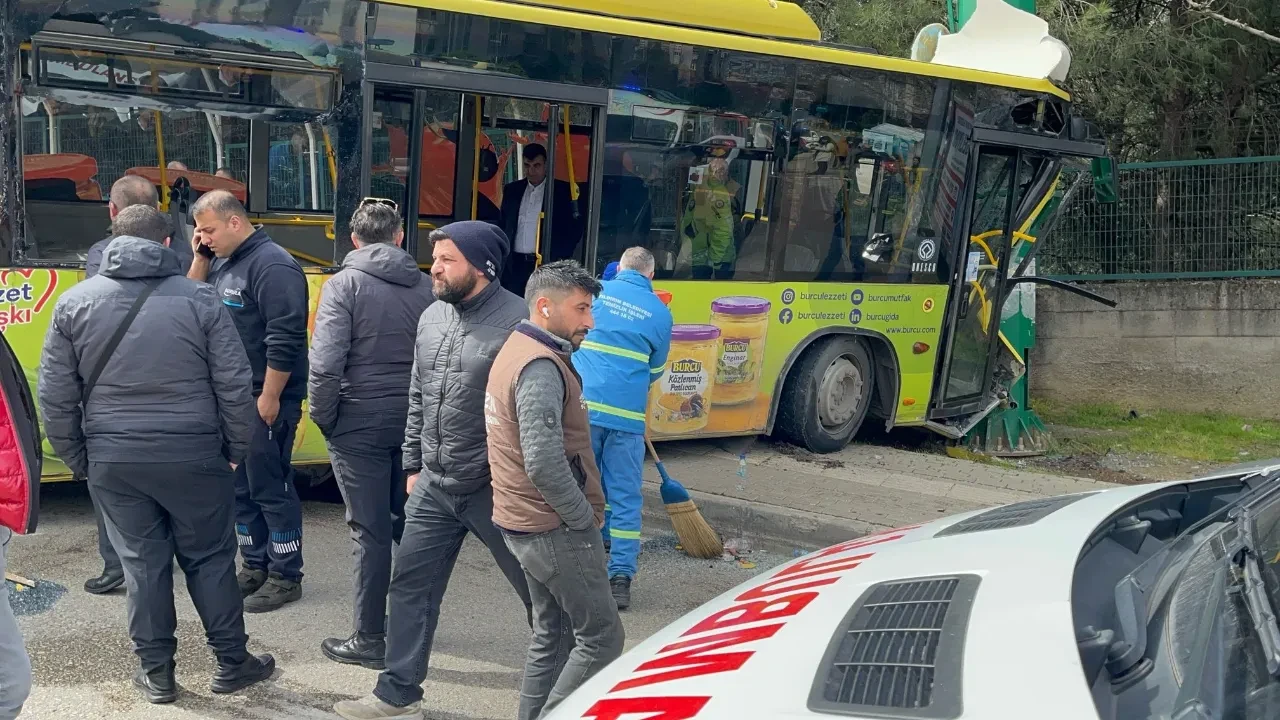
(1014, 429)
(965, 8)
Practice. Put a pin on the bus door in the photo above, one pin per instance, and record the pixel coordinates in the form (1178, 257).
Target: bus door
(479, 125)
(1012, 194)
(526, 144)
(980, 262)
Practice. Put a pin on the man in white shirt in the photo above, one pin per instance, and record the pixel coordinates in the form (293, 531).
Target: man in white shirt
(522, 203)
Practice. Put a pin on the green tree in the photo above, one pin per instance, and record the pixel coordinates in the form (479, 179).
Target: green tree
(886, 26)
(1162, 78)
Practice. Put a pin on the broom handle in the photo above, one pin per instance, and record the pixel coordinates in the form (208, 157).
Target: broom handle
(649, 444)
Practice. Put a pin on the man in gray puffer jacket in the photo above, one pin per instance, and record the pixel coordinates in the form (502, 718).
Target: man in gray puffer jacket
(157, 417)
(446, 454)
(361, 357)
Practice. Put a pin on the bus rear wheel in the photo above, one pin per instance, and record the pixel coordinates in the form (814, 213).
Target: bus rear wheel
(827, 394)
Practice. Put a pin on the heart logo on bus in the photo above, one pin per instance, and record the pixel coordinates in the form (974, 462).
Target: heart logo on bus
(50, 285)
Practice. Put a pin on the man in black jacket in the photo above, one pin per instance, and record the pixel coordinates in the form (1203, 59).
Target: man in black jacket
(522, 201)
(446, 456)
(156, 417)
(126, 192)
(359, 390)
(263, 287)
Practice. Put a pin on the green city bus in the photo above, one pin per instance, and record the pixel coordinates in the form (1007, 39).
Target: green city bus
(810, 288)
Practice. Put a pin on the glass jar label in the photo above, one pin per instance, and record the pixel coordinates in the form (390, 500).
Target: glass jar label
(735, 364)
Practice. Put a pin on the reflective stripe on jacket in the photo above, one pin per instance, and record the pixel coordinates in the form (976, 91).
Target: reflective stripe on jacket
(624, 353)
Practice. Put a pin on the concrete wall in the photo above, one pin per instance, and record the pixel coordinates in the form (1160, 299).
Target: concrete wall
(1188, 345)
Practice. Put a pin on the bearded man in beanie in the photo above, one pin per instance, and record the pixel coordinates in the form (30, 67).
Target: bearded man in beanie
(446, 456)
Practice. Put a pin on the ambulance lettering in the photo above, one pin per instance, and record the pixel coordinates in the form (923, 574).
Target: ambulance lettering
(723, 635)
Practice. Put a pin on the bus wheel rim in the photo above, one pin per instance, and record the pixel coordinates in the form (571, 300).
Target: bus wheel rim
(839, 392)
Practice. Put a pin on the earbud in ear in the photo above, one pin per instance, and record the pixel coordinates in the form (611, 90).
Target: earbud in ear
(546, 313)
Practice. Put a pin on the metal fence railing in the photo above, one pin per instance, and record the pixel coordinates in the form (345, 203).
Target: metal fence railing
(1175, 219)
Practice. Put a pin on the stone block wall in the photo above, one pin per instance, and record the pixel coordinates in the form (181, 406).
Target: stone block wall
(1182, 345)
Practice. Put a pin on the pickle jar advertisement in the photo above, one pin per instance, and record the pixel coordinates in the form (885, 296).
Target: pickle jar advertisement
(731, 341)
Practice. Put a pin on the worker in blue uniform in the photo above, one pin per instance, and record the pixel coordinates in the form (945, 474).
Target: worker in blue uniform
(623, 354)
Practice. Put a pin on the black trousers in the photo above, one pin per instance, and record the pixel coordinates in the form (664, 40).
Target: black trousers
(367, 465)
(154, 511)
(110, 558)
(268, 511)
(516, 271)
(436, 523)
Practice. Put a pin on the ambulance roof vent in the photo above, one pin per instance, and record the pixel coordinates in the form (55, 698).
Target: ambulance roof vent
(899, 651)
(1011, 516)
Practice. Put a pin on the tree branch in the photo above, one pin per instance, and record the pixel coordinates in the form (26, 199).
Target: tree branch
(1204, 9)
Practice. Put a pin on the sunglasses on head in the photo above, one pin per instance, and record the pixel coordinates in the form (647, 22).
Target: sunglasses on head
(380, 201)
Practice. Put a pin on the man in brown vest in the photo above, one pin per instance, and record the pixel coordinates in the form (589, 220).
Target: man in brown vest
(547, 498)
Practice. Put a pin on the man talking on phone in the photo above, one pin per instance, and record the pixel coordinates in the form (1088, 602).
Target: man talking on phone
(266, 293)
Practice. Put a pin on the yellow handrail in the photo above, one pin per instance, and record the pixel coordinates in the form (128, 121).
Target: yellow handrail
(164, 174)
(330, 156)
(568, 154)
(978, 239)
(537, 242)
(300, 222)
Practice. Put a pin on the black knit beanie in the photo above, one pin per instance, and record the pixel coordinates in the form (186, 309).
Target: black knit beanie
(484, 245)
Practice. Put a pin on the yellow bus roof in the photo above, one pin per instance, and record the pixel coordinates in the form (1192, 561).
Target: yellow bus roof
(777, 19)
(735, 17)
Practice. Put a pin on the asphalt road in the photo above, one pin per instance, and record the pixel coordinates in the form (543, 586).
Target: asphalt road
(83, 663)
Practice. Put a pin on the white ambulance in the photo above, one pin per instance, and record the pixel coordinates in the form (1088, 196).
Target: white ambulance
(1148, 601)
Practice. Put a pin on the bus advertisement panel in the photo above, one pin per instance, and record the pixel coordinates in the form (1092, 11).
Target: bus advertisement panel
(731, 341)
(27, 299)
(728, 351)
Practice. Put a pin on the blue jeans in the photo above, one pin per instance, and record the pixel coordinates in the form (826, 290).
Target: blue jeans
(15, 666)
(620, 456)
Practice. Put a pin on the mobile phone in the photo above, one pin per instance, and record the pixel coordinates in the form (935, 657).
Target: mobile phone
(205, 250)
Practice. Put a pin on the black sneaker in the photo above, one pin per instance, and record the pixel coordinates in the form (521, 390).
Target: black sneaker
(250, 580)
(158, 686)
(106, 582)
(621, 587)
(238, 676)
(364, 649)
(274, 594)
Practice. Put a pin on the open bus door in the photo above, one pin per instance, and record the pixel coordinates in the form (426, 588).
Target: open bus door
(1012, 194)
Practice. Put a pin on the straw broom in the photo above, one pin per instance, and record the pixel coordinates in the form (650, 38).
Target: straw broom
(696, 536)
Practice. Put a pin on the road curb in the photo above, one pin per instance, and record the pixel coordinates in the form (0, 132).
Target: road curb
(767, 527)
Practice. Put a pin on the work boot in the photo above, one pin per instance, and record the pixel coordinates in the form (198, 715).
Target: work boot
(274, 594)
(233, 676)
(158, 686)
(364, 649)
(371, 708)
(250, 580)
(621, 587)
(110, 579)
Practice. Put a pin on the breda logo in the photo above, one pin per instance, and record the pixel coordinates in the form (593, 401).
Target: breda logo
(928, 248)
